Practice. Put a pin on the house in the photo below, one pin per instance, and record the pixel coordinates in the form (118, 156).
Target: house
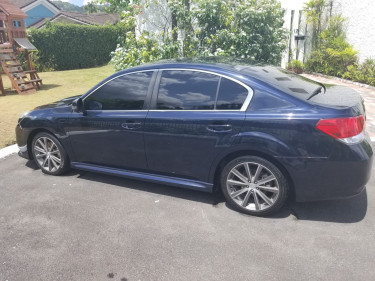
(78, 18)
(37, 10)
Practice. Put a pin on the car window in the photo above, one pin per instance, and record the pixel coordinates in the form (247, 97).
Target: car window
(127, 92)
(231, 95)
(187, 90)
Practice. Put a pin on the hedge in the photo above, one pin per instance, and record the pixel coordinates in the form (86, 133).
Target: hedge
(71, 46)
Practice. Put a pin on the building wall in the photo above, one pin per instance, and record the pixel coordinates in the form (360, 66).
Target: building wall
(360, 31)
(37, 13)
(360, 20)
(293, 8)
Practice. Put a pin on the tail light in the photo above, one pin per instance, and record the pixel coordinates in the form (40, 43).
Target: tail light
(348, 130)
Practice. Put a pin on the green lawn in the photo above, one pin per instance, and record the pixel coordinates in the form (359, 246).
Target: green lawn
(56, 86)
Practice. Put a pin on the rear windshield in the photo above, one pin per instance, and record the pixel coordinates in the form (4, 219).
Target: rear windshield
(284, 80)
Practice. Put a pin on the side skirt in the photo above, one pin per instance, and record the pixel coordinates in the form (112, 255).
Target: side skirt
(179, 182)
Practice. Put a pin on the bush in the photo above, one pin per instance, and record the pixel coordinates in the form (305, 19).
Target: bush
(295, 66)
(363, 73)
(70, 46)
(335, 54)
(245, 29)
(132, 51)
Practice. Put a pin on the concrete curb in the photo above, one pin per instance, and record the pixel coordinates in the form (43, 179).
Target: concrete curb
(9, 150)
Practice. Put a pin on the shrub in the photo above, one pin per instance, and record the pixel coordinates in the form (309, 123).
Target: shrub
(246, 29)
(295, 66)
(335, 54)
(70, 46)
(364, 73)
(132, 51)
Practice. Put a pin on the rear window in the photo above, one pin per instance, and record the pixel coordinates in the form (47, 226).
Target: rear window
(284, 80)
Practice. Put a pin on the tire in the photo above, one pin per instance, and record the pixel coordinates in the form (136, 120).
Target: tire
(254, 185)
(49, 154)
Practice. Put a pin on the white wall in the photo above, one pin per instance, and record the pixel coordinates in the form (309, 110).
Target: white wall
(296, 5)
(360, 31)
(360, 23)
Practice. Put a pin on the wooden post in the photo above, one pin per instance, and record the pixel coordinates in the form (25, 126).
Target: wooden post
(2, 85)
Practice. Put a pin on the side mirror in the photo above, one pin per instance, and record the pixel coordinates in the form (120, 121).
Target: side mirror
(77, 105)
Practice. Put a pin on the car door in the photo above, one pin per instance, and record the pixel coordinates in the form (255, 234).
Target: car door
(193, 116)
(110, 130)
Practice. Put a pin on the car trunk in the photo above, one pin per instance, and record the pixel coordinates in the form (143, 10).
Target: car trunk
(338, 96)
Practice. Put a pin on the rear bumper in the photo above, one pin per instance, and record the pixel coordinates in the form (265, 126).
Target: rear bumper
(343, 174)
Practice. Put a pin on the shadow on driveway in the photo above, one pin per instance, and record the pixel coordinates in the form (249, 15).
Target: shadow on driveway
(349, 210)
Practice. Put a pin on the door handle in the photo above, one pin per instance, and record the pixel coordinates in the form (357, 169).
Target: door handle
(219, 128)
(131, 125)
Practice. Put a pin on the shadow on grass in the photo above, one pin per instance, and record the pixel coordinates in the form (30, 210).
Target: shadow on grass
(8, 92)
(350, 210)
(46, 87)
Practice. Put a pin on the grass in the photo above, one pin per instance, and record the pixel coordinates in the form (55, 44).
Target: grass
(56, 86)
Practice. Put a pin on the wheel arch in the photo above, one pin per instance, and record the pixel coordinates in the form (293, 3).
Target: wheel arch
(245, 152)
(31, 136)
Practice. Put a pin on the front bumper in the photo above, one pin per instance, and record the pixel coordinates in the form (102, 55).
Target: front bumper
(23, 152)
(22, 137)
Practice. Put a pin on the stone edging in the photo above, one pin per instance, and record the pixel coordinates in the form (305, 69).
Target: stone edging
(341, 80)
(9, 150)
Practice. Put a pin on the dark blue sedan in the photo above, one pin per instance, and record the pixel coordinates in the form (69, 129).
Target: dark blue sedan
(259, 133)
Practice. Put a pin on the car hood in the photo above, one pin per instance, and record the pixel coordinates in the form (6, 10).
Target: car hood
(59, 103)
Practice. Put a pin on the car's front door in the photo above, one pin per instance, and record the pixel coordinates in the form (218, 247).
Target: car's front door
(110, 130)
(193, 116)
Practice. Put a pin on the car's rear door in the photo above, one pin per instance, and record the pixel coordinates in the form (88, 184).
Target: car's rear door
(110, 130)
(194, 114)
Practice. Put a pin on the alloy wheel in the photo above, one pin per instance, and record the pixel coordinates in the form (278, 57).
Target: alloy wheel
(252, 186)
(47, 154)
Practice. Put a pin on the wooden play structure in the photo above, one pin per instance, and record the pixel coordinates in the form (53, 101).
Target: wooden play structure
(12, 42)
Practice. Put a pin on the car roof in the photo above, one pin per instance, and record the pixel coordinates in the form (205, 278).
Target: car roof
(241, 69)
(205, 63)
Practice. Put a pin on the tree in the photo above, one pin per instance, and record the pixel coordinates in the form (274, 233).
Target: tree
(115, 6)
(90, 8)
(247, 29)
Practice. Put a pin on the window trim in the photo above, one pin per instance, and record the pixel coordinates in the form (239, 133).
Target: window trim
(157, 85)
(149, 90)
(154, 90)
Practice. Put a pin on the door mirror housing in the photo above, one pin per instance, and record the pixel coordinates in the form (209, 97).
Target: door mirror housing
(77, 105)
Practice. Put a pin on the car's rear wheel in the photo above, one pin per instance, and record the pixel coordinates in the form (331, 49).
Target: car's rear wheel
(254, 185)
(49, 154)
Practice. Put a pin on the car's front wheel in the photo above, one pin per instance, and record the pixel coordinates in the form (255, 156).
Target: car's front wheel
(49, 154)
(254, 185)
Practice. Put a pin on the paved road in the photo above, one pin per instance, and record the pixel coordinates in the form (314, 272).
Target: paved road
(85, 226)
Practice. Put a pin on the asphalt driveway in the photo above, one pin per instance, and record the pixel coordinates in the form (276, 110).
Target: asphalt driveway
(85, 226)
